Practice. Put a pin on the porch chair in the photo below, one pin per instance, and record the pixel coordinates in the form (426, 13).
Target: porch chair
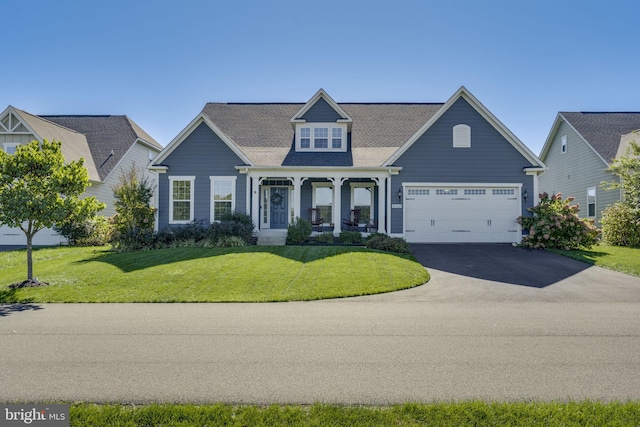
(314, 217)
(353, 221)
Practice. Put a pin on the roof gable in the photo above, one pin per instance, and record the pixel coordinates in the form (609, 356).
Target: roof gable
(321, 98)
(109, 137)
(484, 112)
(599, 130)
(74, 144)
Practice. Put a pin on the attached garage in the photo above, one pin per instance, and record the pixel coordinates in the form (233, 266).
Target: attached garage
(462, 213)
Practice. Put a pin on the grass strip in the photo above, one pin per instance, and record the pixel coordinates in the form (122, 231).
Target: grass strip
(434, 414)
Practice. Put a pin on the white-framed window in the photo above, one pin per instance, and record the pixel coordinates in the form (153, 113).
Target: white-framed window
(563, 144)
(10, 147)
(223, 196)
(323, 200)
(362, 198)
(181, 190)
(321, 137)
(461, 136)
(591, 202)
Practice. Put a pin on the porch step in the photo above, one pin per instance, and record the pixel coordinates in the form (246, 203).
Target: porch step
(272, 238)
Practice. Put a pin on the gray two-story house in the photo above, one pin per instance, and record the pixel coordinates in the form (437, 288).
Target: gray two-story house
(428, 172)
(578, 152)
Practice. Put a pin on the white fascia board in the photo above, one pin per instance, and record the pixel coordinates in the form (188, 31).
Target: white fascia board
(321, 94)
(318, 169)
(17, 112)
(201, 118)
(484, 112)
(552, 134)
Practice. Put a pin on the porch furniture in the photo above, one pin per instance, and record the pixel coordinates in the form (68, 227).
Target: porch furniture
(314, 217)
(353, 221)
(372, 226)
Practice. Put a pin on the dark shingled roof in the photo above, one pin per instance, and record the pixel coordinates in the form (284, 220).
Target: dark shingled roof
(105, 134)
(264, 133)
(603, 130)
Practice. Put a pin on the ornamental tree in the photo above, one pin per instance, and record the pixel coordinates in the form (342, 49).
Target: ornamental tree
(38, 189)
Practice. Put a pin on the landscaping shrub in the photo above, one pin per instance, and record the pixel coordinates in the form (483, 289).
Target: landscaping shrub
(89, 232)
(299, 231)
(133, 221)
(351, 237)
(230, 242)
(621, 225)
(326, 238)
(382, 242)
(555, 224)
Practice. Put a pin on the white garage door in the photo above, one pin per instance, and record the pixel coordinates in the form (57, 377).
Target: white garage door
(459, 214)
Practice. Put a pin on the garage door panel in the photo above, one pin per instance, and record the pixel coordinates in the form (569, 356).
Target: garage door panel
(457, 214)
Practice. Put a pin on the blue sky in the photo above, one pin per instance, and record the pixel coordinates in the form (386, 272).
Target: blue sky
(159, 62)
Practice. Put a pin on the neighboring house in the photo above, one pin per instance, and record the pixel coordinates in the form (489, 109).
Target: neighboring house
(109, 145)
(578, 151)
(428, 172)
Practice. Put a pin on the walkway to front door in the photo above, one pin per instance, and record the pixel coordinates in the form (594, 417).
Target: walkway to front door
(279, 206)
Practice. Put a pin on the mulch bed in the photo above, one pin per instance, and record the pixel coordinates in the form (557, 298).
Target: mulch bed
(29, 283)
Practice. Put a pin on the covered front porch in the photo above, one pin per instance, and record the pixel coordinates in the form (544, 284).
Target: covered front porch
(328, 196)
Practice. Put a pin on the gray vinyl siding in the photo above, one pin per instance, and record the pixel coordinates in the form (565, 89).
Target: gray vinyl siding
(19, 138)
(321, 112)
(202, 154)
(432, 158)
(573, 172)
(137, 155)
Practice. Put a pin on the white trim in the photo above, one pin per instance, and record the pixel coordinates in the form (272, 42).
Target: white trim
(312, 127)
(212, 180)
(191, 200)
(595, 201)
(6, 145)
(201, 118)
(320, 94)
(484, 112)
(330, 185)
(564, 145)
(372, 187)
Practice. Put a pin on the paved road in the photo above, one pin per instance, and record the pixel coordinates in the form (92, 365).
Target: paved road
(458, 337)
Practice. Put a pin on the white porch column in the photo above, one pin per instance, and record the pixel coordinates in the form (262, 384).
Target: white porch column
(337, 203)
(297, 185)
(255, 201)
(247, 193)
(382, 205)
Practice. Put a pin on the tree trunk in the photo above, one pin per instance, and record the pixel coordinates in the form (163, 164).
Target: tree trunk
(29, 257)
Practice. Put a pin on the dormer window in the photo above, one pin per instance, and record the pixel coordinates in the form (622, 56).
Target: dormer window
(321, 137)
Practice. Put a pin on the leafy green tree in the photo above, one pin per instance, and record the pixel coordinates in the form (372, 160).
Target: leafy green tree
(38, 189)
(133, 222)
(621, 221)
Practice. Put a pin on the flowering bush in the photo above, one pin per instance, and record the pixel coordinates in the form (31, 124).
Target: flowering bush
(555, 224)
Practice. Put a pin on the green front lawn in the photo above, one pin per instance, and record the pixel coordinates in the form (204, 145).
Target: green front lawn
(247, 274)
(623, 259)
(414, 414)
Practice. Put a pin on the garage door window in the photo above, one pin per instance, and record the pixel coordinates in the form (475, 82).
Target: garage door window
(449, 192)
(503, 192)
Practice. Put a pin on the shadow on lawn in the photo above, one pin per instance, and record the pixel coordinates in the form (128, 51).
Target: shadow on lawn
(11, 303)
(140, 260)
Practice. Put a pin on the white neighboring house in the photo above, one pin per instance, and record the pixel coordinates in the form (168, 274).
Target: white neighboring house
(108, 144)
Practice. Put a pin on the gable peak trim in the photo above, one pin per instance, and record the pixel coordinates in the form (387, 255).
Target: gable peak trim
(321, 93)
